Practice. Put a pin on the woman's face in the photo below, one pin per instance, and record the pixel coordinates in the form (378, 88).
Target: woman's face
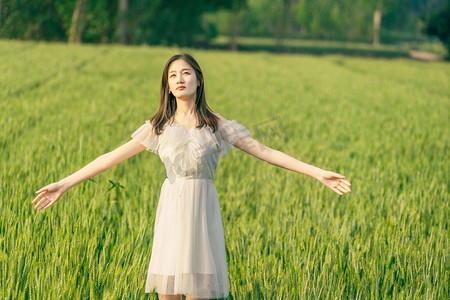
(182, 80)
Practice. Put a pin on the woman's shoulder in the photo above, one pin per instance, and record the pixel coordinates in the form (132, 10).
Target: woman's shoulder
(222, 121)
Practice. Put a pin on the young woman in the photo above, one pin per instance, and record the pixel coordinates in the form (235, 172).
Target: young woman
(188, 255)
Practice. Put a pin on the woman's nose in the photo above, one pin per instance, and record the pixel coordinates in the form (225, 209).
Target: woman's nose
(180, 78)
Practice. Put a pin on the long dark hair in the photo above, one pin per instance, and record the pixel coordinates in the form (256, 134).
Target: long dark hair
(168, 103)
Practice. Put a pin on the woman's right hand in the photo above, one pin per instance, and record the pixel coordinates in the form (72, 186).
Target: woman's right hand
(48, 195)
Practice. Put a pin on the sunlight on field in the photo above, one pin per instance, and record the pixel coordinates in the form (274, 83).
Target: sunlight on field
(382, 123)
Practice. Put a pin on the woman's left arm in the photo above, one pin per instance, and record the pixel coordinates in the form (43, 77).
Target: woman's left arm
(332, 180)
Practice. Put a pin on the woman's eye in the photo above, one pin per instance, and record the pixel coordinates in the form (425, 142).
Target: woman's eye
(171, 76)
(186, 73)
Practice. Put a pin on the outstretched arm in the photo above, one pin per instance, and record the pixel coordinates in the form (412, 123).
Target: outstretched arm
(49, 194)
(332, 180)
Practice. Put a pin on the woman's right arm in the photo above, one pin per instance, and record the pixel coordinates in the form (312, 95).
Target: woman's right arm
(49, 194)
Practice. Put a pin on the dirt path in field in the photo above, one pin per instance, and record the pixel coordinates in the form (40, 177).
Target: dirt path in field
(426, 56)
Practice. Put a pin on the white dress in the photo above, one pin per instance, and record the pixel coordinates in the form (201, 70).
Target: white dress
(188, 254)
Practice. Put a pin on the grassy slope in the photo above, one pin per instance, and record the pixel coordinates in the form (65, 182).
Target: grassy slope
(383, 123)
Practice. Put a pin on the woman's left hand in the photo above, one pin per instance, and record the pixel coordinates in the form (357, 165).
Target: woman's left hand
(335, 182)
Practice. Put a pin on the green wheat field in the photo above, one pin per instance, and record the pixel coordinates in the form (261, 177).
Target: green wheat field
(382, 123)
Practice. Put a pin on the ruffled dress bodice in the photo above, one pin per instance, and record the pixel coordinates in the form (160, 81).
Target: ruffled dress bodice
(191, 153)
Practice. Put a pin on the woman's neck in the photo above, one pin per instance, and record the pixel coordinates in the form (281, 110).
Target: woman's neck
(185, 108)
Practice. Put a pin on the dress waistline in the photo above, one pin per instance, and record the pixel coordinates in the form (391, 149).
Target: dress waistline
(172, 180)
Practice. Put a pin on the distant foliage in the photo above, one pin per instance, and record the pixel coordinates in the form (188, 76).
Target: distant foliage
(37, 20)
(343, 20)
(150, 22)
(439, 25)
(195, 22)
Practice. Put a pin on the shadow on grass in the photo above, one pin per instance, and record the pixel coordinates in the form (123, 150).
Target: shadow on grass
(348, 49)
(314, 50)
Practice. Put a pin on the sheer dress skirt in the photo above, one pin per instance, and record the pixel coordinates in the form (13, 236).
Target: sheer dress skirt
(188, 254)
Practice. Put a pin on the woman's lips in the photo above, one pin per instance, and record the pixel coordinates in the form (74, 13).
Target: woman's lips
(180, 88)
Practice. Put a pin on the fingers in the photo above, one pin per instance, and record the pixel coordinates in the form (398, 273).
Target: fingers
(341, 189)
(49, 204)
(344, 187)
(344, 183)
(337, 191)
(342, 179)
(42, 202)
(44, 189)
(45, 201)
(38, 197)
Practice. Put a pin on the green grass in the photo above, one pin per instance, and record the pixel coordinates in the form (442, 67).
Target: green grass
(382, 123)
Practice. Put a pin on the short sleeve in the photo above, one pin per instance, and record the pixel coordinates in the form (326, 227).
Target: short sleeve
(147, 137)
(231, 132)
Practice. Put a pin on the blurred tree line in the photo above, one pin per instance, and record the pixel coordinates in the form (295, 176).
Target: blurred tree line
(195, 22)
(106, 21)
(341, 20)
